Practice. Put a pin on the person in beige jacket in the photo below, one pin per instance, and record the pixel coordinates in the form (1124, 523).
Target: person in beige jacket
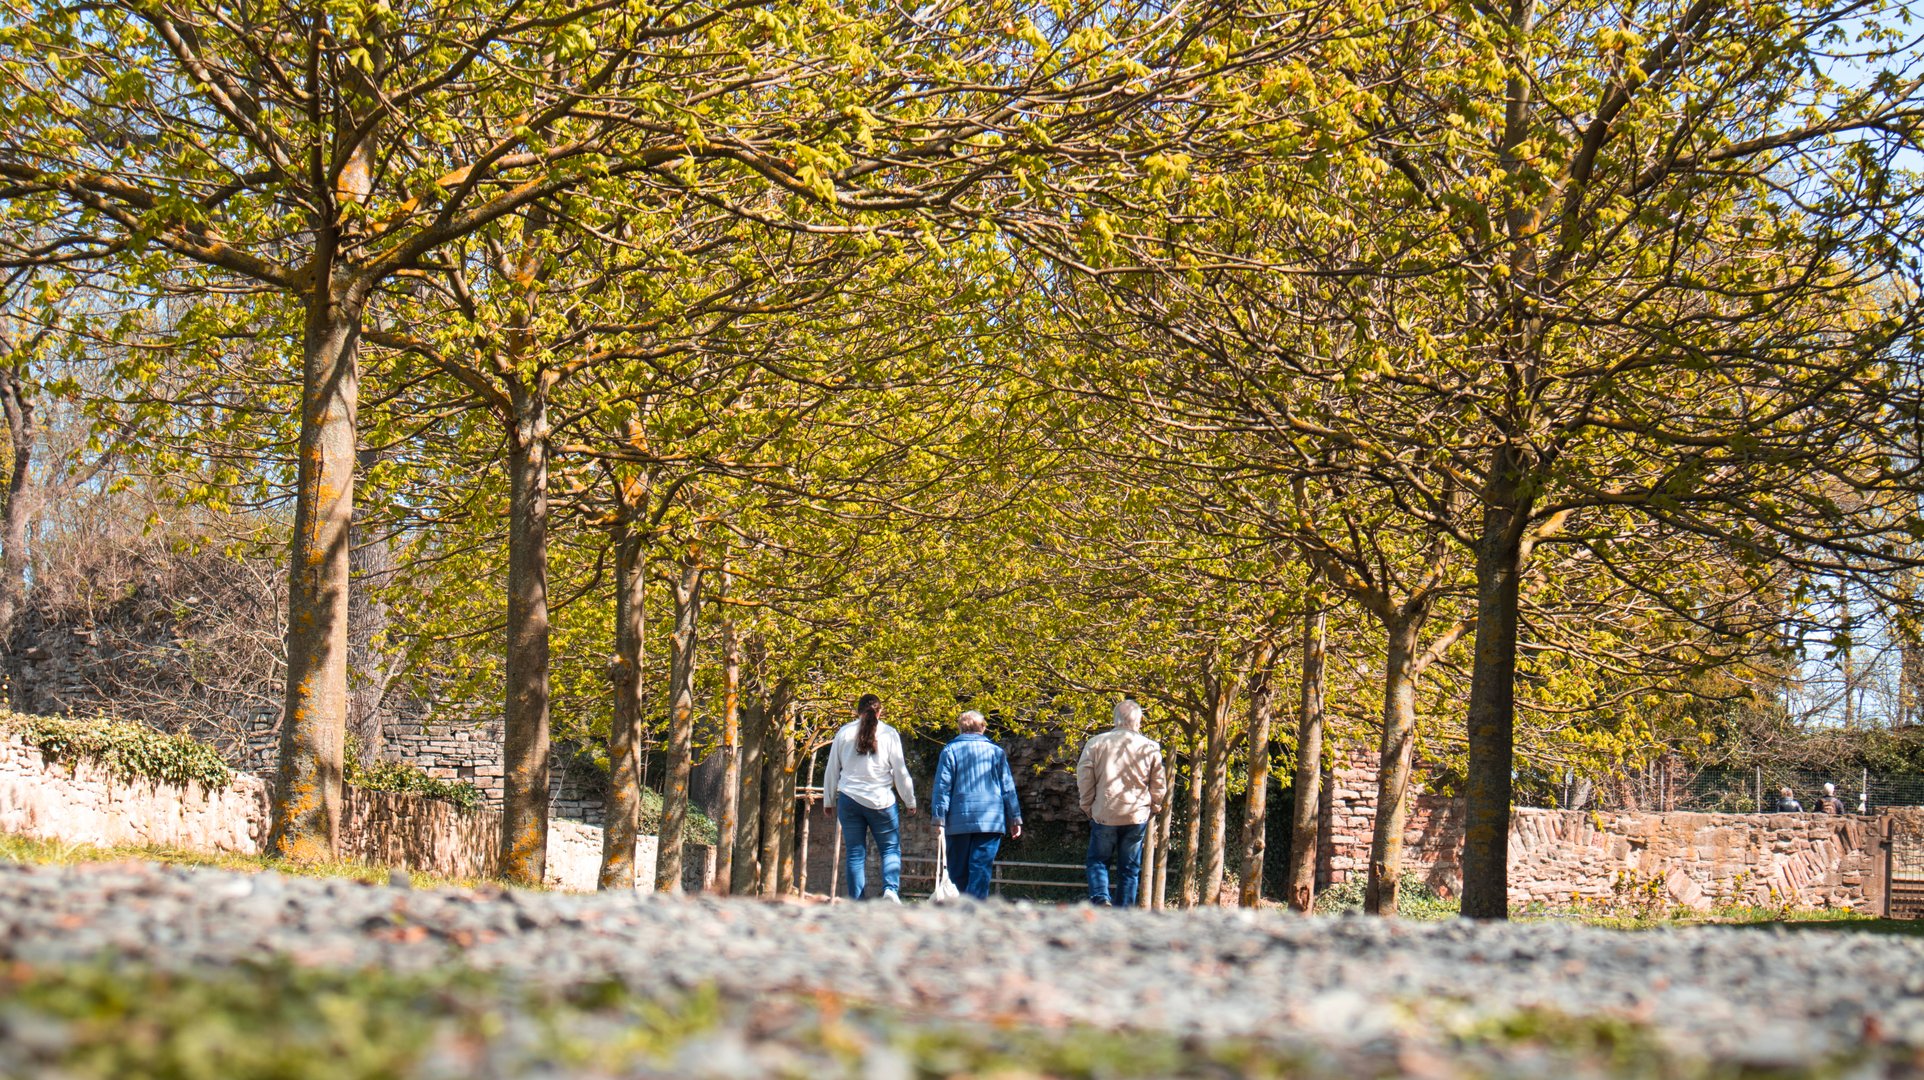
(1121, 783)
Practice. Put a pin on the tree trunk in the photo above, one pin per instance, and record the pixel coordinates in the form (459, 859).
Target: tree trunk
(730, 823)
(1393, 769)
(1492, 717)
(681, 725)
(524, 805)
(1165, 828)
(788, 833)
(1192, 831)
(775, 752)
(1215, 808)
(1151, 861)
(747, 862)
(1305, 830)
(306, 808)
(1256, 801)
(21, 437)
(622, 824)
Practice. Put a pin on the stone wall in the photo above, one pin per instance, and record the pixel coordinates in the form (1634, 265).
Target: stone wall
(1045, 776)
(1558, 857)
(452, 747)
(84, 803)
(48, 673)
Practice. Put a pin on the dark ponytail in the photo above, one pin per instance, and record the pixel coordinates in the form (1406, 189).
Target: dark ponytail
(869, 711)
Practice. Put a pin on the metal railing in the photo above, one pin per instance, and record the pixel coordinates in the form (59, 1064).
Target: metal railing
(926, 874)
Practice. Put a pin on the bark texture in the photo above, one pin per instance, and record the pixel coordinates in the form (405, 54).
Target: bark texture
(1215, 804)
(1306, 820)
(524, 808)
(1492, 718)
(681, 725)
(22, 436)
(731, 750)
(306, 810)
(775, 752)
(788, 834)
(1256, 800)
(1158, 887)
(622, 824)
(1151, 861)
(1397, 752)
(747, 863)
(1192, 830)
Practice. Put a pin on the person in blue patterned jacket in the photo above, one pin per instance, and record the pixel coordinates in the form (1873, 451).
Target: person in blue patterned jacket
(974, 801)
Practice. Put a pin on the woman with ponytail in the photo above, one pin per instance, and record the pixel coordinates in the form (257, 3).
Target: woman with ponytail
(865, 770)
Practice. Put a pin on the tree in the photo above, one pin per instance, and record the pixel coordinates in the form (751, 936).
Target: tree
(1692, 333)
(315, 154)
(1531, 319)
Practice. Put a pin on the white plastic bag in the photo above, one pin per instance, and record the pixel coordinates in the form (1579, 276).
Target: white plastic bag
(945, 890)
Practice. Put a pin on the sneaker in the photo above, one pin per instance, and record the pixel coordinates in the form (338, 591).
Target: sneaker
(889, 895)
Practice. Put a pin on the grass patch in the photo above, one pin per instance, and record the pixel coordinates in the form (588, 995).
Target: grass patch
(22, 849)
(1646, 918)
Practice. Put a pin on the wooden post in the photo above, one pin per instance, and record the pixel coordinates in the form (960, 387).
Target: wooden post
(835, 866)
(803, 809)
(1145, 889)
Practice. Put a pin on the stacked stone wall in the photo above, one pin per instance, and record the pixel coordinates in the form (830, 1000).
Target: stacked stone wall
(1560, 857)
(48, 674)
(85, 803)
(452, 747)
(1045, 777)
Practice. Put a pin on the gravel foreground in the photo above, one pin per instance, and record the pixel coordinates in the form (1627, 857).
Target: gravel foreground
(880, 992)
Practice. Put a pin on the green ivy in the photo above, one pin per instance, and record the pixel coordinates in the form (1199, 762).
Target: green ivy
(128, 749)
(407, 779)
(132, 750)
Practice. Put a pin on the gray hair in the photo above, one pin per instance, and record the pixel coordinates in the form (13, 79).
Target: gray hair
(972, 723)
(1128, 714)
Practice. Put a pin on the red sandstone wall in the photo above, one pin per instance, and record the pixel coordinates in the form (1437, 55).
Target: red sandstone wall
(1559, 857)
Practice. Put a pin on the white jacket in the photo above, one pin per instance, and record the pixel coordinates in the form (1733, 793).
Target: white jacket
(866, 778)
(1120, 777)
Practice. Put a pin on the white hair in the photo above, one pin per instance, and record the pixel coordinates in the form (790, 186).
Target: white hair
(1128, 714)
(1830, 789)
(972, 722)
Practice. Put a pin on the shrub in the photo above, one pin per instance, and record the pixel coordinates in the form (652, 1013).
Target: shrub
(128, 749)
(407, 779)
(1415, 899)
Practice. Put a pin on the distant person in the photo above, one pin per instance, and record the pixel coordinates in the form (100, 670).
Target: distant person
(1121, 784)
(1830, 803)
(865, 770)
(1787, 803)
(974, 801)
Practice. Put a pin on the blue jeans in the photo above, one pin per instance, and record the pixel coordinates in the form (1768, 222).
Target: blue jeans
(858, 823)
(1121, 844)
(972, 861)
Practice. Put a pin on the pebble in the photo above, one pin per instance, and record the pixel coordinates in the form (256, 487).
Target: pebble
(1321, 987)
